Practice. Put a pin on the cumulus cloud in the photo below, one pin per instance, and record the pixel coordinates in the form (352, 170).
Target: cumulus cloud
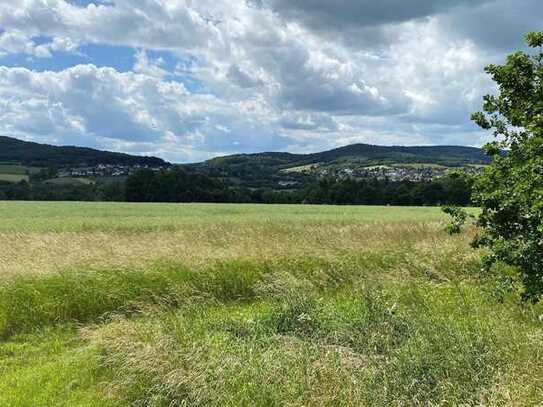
(145, 23)
(132, 110)
(254, 75)
(149, 67)
(13, 42)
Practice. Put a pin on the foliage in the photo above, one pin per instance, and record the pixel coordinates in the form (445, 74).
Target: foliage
(44, 191)
(183, 185)
(453, 189)
(510, 192)
(458, 219)
(177, 185)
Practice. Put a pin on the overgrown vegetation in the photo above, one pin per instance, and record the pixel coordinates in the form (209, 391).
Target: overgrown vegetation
(158, 305)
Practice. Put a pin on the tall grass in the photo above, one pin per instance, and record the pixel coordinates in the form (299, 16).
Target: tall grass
(79, 297)
(366, 346)
(303, 306)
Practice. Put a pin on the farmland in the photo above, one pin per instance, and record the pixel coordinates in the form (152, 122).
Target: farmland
(14, 172)
(13, 178)
(162, 304)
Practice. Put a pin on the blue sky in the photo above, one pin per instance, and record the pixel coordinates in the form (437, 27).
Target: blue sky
(188, 80)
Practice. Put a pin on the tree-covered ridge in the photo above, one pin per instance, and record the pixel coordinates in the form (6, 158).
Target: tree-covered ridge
(43, 155)
(453, 156)
(259, 169)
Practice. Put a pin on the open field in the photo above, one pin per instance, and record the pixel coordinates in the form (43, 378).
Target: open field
(14, 178)
(159, 305)
(70, 181)
(10, 172)
(420, 165)
(13, 169)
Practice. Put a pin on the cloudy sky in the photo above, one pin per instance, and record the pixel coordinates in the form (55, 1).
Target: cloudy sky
(190, 79)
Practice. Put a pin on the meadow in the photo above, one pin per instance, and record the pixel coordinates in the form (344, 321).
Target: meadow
(15, 173)
(105, 304)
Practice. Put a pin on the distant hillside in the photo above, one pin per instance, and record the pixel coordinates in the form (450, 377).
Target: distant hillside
(451, 156)
(263, 165)
(274, 169)
(361, 154)
(43, 155)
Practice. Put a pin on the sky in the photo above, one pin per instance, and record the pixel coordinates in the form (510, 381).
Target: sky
(187, 80)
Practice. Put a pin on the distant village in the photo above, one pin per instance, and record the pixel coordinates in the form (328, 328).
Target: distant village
(396, 173)
(103, 170)
(392, 173)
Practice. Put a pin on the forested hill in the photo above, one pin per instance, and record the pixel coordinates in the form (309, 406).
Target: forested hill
(443, 155)
(361, 154)
(43, 155)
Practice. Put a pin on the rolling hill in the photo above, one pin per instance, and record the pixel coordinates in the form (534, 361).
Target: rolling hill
(361, 154)
(42, 155)
(268, 169)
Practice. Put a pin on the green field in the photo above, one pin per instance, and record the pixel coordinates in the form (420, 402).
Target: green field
(70, 181)
(133, 217)
(14, 178)
(10, 172)
(169, 305)
(420, 166)
(13, 169)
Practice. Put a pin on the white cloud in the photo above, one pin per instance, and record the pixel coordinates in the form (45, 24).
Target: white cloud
(168, 24)
(18, 42)
(126, 109)
(271, 74)
(144, 65)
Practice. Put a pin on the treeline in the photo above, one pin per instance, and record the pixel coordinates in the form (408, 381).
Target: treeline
(42, 191)
(450, 190)
(180, 185)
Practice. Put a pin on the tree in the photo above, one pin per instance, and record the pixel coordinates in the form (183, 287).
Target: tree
(174, 185)
(510, 191)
